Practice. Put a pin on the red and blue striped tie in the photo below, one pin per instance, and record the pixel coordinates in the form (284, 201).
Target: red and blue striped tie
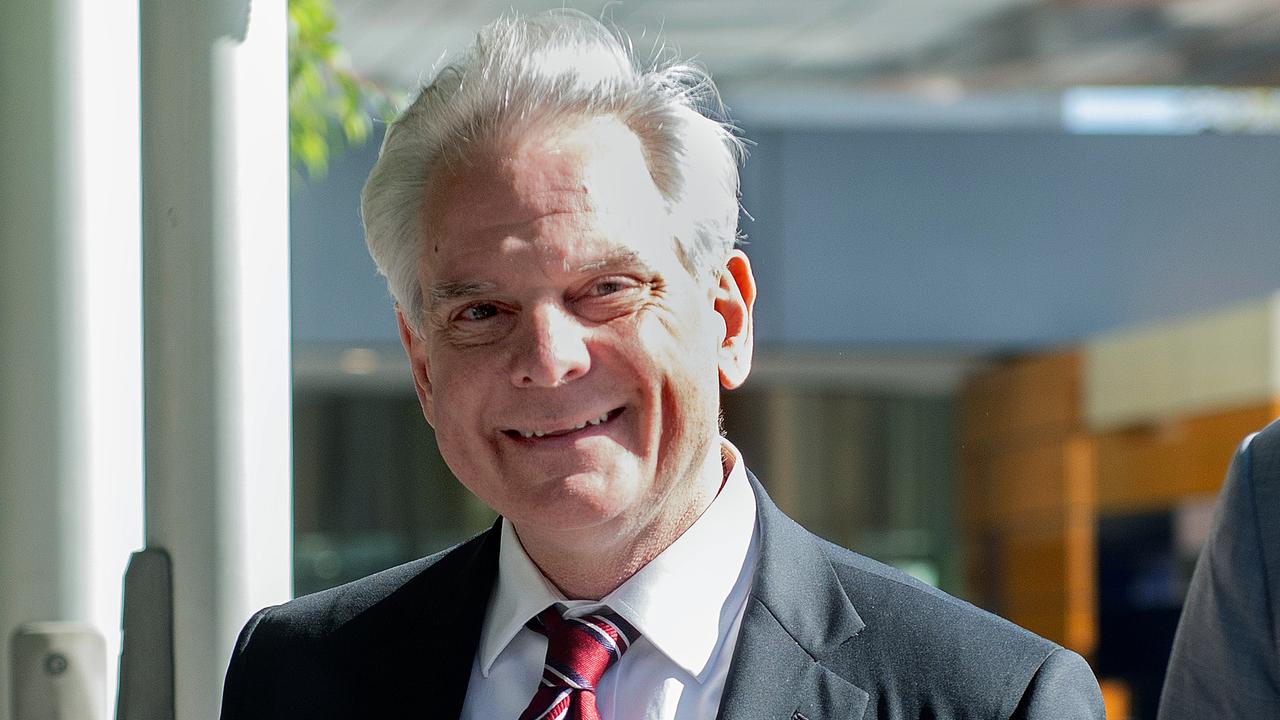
(579, 651)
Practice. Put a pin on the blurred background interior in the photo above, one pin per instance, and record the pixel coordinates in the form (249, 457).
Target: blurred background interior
(1019, 265)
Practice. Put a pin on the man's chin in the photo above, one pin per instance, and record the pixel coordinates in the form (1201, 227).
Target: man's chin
(577, 502)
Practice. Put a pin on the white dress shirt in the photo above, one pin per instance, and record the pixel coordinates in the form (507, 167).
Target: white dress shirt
(687, 603)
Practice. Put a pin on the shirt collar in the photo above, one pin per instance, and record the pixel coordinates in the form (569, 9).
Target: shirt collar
(683, 602)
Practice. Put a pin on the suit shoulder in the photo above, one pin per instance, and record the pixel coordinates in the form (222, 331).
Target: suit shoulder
(347, 651)
(914, 650)
(324, 612)
(1268, 437)
(1261, 454)
(879, 588)
(944, 644)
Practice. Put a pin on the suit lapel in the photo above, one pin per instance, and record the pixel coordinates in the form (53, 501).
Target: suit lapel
(433, 654)
(797, 614)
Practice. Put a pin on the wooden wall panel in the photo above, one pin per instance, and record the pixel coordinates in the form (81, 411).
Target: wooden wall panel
(1015, 401)
(1024, 483)
(1026, 497)
(1158, 466)
(1032, 481)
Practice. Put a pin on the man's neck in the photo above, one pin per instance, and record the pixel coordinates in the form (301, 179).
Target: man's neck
(591, 563)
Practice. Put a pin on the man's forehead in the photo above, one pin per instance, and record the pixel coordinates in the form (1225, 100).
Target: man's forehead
(596, 166)
(554, 242)
(498, 196)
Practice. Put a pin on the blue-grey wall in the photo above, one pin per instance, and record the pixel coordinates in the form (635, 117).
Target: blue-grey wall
(864, 237)
(338, 297)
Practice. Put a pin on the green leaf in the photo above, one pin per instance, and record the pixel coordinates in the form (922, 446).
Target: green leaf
(330, 107)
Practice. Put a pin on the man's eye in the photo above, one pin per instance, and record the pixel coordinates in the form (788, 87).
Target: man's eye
(611, 297)
(481, 311)
(608, 287)
(612, 285)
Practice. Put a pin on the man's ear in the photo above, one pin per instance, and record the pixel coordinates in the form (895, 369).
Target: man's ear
(416, 348)
(734, 299)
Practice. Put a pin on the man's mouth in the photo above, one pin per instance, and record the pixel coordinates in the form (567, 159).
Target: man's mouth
(593, 422)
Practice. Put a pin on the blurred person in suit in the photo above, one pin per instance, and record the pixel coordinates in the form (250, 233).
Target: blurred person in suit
(557, 224)
(1226, 653)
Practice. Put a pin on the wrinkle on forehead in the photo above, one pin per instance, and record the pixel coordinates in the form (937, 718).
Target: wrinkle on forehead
(499, 200)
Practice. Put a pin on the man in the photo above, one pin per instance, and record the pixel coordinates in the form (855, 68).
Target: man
(558, 228)
(1226, 654)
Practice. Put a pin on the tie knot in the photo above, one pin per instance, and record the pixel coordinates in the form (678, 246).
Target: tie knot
(581, 649)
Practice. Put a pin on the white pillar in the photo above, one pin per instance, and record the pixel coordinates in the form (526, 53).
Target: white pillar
(215, 247)
(70, 303)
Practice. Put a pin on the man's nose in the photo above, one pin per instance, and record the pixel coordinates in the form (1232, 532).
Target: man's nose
(554, 348)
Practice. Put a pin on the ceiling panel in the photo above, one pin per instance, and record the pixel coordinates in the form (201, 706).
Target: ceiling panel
(916, 47)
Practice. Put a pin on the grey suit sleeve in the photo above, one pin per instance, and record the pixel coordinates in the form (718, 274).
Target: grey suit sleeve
(1064, 688)
(1225, 662)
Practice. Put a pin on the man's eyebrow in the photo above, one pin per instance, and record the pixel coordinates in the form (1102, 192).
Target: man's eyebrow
(618, 260)
(445, 292)
(448, 291)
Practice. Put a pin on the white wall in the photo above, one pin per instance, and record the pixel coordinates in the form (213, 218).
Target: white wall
(70, 308)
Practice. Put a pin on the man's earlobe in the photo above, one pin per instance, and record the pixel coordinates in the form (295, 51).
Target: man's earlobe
(415, 347)
(735, 300)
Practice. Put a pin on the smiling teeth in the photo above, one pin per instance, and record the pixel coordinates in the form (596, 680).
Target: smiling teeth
(579, 426)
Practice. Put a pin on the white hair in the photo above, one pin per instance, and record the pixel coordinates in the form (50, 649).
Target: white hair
(543, 72)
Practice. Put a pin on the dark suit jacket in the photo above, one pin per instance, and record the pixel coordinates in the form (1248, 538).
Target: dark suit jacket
(1226, 655)
(827, 634)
